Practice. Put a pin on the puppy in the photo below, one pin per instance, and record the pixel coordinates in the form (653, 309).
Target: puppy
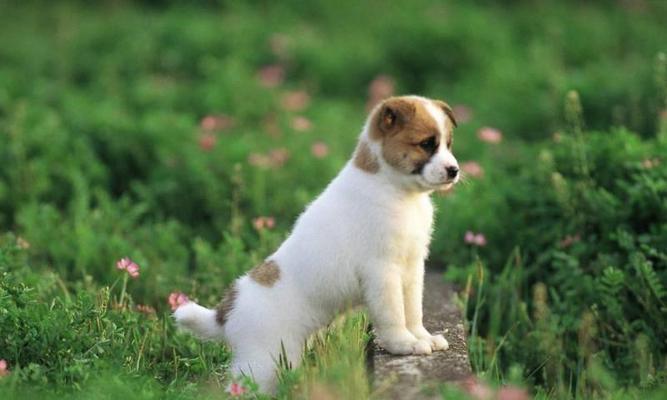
(363, 240)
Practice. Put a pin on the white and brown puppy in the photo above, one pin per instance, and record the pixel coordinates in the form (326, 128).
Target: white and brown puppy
(363, 240)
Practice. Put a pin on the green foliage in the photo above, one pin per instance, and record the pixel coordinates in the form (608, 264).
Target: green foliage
(51, 335)
(104, 155)
(585, 288)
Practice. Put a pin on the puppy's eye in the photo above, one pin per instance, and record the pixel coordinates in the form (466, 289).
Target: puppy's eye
(428, 145)
(449, 142)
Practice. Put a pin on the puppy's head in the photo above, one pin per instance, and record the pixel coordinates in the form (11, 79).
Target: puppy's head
(410, 140)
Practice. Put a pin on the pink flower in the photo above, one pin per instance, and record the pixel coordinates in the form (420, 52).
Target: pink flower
(301, 124)
(145, 309)
(480, 240)
(490, 135)
(462, 113)
(177, 299)
(278, 156)
(568, 240)
(319, 149)
(4, 370)
(235, 389)
(128, 265)
(133, 270)
(271, 76)
(476, 389)
(123, 263)
(512, 393)
(295, 100)
(261, 223)
(379, 89)
(472, 168)
(475, 239)
(212, 123)
(207, 141)
(275, 158)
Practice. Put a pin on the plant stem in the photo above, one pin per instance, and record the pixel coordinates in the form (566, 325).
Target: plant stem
(122, 292)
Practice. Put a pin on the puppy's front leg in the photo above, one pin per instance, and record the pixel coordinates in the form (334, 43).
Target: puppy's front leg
(413, 289)
(384, 297)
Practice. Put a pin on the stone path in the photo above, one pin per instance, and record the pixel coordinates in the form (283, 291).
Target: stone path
(409, 377)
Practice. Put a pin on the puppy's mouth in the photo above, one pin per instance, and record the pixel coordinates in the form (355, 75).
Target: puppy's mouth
(444, 185)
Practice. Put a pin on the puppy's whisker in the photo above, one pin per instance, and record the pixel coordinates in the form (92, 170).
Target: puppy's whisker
(464, 179)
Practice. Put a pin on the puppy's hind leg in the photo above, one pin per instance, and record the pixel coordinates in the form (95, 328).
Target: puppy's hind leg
(259, 366)
(261, 363)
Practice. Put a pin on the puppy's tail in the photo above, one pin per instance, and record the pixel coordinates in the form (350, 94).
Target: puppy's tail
(201, 321)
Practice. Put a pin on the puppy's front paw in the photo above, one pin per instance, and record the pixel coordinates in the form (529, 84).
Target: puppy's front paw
(437, 342)
(404, 343)
(421, 347)
(404, 347)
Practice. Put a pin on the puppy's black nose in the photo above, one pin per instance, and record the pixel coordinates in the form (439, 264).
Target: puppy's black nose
(452, 172)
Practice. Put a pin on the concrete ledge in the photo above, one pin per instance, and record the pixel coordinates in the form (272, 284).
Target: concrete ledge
(409, 377)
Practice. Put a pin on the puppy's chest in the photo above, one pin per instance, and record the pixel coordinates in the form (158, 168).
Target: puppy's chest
(408, 233)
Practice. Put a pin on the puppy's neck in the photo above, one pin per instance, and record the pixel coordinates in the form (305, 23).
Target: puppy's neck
(375, 189)
(365, 176)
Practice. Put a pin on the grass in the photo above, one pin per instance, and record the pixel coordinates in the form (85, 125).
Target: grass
(107, 152)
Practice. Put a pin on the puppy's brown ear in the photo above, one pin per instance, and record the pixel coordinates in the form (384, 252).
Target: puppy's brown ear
(393, 114)
(448, 110)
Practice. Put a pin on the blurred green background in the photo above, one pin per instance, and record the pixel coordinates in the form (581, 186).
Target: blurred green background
(179, 133)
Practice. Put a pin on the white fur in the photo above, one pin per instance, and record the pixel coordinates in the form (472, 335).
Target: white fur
(198, 319)
(363, 240)
(435, 172)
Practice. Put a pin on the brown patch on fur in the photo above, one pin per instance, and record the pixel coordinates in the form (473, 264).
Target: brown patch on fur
(266, 274)
(391, 116)
(401, 123)
(450, 122)
(226, 305)
(448, 110)
(365, 160)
